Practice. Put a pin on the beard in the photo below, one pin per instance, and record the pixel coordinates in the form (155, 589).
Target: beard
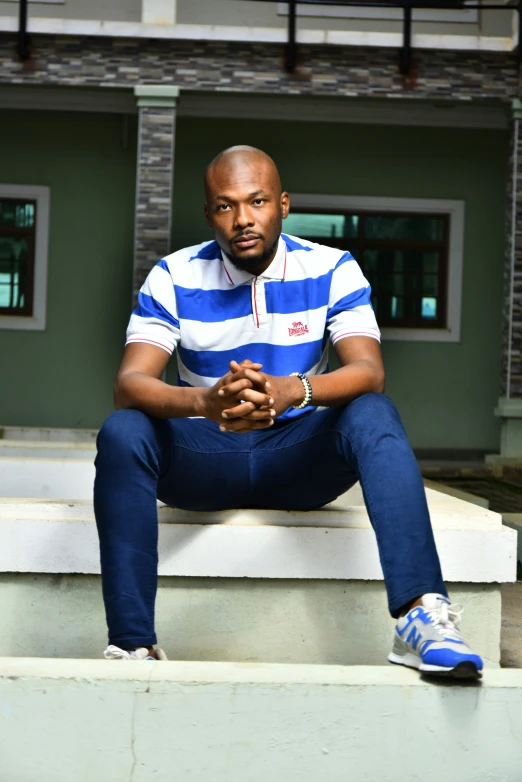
(253, 263)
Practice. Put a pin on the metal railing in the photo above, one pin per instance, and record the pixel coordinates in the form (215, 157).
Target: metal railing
(407, 7)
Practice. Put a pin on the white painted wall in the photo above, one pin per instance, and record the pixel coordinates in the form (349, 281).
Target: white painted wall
(115, 722)
(118, 10)
(158, 11)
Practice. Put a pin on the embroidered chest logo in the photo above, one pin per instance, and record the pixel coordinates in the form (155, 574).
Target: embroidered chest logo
(298, 328)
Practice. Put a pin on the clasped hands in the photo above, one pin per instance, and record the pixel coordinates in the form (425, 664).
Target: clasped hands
(246, 399)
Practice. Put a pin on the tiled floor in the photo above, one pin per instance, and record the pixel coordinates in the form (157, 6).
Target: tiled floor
(511, 643)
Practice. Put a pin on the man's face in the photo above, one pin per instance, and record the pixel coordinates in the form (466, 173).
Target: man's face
(245, 208)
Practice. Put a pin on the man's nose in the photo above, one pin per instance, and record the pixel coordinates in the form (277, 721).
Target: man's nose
(243, 217)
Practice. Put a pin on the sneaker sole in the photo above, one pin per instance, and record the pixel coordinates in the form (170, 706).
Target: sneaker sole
(464, 670)
(409, 660)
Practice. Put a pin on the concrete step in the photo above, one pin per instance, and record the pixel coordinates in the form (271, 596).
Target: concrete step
(43, 434)
(46, 466)
(112, 722)
(47, 462)
(267, 586)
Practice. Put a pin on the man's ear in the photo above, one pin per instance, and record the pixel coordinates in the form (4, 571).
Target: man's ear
(285, 204)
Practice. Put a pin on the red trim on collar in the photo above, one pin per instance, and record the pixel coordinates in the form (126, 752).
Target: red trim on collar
(228, 275)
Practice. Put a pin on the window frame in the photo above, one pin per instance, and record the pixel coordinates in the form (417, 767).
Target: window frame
(36, 321)
(454, 211)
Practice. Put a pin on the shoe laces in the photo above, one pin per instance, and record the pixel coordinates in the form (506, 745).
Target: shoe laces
(115, 653)
(447, 618)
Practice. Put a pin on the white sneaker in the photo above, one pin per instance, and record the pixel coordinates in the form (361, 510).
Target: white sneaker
(428, 638)
(115, 653)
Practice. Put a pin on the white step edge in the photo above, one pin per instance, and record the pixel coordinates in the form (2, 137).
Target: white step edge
(335, 542)
(194, 672)
(47, 433)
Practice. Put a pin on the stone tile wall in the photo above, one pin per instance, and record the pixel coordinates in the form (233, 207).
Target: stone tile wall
(511, 378)
(324, 70)
(155, 167)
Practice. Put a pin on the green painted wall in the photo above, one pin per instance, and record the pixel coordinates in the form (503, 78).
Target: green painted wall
(63, 376)
(446, 393)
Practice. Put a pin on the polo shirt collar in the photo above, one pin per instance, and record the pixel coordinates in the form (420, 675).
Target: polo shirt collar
(276, 270)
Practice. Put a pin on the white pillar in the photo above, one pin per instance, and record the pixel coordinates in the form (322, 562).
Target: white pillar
(158, 11)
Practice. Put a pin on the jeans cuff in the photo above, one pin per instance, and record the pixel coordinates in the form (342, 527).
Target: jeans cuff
(133, 642)
(396, 604)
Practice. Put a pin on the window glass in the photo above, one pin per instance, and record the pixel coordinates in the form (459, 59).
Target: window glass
(429, 308)
(419, 228)
(403, 256)
(401, 288)
(17, 240)
(16, 213)
(320, 225)
(14, 254)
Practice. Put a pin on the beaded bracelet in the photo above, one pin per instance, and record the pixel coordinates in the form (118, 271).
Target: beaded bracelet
(307, 389)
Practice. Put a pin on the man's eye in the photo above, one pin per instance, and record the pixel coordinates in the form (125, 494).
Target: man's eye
(259, 201)
(222, 207)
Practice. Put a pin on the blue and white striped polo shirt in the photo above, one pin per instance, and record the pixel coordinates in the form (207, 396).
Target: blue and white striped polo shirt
(198, 302)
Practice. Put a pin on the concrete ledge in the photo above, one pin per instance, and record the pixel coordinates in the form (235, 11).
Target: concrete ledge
(334, 542)
(474, 499)
(47, 472)
(244, 33)
(514, 521)
(43, 433)
(115, 722)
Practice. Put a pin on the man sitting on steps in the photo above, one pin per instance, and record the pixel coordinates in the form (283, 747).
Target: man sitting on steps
(257, 420)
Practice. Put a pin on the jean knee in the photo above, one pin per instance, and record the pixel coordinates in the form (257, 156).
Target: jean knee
(122, 430)
(371, 411)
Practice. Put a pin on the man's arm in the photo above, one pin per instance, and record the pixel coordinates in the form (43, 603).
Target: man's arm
(138, 386)
(361, 371)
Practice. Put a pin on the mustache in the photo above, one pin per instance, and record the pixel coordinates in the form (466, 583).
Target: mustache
(247, 234)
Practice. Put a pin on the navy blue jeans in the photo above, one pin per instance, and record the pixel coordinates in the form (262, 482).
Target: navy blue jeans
(300, 465)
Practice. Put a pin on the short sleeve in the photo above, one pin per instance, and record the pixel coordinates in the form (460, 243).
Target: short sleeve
(350, 312)
(155, 320)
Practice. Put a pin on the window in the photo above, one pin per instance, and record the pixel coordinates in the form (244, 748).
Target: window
(17, 237)
(23, 256)
(412, 257)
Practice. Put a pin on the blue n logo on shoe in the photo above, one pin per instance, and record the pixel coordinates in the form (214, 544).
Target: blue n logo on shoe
(414, 637)
(416, 613)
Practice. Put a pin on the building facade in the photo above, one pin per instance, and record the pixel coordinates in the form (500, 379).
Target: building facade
(109, 121)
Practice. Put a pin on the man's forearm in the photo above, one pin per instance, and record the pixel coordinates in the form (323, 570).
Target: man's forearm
(337, 388)
(154, 397)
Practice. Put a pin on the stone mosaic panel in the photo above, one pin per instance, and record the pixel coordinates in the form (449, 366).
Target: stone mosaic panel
(323, 70)
(155, 167)
(512, 350)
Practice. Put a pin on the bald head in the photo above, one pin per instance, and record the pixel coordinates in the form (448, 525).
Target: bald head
(239, 158)
(245, 206)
